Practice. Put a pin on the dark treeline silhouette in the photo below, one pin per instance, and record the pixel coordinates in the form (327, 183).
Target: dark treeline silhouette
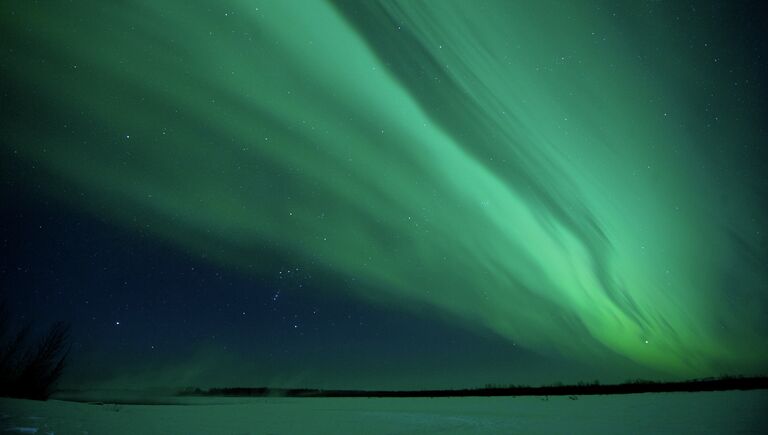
(30, 371)
(631, 387)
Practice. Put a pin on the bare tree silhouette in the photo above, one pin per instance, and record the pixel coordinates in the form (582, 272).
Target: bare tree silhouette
(30, 372)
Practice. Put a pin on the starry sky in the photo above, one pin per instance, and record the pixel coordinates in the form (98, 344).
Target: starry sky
(387, 194)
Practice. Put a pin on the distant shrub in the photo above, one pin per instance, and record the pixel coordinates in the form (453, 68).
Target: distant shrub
(31, 371)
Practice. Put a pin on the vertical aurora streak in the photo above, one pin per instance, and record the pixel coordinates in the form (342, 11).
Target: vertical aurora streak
(546, 171)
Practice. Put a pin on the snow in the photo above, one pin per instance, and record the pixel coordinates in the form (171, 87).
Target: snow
(720, 412)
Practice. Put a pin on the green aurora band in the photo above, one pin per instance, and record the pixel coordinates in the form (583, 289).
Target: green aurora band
(537, 170)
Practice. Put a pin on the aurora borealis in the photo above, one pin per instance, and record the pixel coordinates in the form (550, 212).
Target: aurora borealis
(581, 180)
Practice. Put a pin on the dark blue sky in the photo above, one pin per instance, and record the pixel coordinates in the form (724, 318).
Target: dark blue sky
(144, 312)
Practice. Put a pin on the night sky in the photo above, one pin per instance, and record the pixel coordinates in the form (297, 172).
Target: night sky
(387, 194)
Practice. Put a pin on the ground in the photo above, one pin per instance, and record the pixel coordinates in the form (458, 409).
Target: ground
(720, 412)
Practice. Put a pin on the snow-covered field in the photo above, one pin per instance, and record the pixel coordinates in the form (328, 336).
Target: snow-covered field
(689, 413)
